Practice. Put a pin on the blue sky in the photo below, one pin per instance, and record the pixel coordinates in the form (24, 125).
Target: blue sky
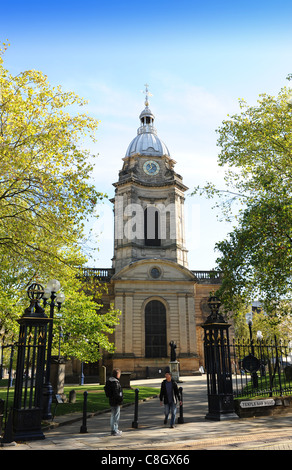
(198, 58)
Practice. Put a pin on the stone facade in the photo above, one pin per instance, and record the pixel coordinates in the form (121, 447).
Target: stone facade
(183, 293)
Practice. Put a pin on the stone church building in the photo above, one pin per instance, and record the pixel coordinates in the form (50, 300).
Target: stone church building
(160, 297)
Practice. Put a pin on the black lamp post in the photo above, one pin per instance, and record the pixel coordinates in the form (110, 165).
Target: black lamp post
(218, 364)
(2, 351)
(251, 363)
(27, 406)
(50, 292)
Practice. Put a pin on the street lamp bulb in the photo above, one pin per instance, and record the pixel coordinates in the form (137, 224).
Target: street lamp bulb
(60, 297)
(53, 285)
(47, 293)
(248, 317)
(259, 335)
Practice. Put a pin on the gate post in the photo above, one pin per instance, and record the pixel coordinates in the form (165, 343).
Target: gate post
(218, 365)
(27, 406)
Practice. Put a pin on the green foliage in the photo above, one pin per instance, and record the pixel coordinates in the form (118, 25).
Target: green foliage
(45, 198)
(86, 325)
(45, 193)
(270, 326)
(256, 148)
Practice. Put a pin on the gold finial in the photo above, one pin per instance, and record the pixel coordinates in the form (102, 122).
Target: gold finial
(147, 93)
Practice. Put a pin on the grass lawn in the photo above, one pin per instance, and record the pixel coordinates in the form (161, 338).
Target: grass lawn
(264, 387)
(96, 399)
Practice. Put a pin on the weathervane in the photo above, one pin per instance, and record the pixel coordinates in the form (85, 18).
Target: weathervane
(147, 93)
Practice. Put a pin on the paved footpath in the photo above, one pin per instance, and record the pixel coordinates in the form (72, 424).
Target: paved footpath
(196, 433)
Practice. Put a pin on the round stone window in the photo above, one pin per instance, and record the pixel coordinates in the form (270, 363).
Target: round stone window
(155, 273)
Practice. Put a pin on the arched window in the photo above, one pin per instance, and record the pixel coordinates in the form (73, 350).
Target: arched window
(155, 329)
(152, 227)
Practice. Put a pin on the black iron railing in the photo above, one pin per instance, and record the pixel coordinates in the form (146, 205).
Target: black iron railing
(7, 353)
(261, 368)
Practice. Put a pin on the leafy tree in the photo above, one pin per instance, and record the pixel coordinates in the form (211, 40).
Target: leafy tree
(86, 325)
(45, 189)
(269, 326)
(256, 148)
(45, 199)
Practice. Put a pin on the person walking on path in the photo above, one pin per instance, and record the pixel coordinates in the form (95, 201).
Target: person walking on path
(114, 392)
(169, 395)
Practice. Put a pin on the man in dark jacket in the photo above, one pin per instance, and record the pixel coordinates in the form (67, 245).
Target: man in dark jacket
(169, 395)
(115, 394)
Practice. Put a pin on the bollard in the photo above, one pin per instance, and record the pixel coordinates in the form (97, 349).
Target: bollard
(72, 396)
(83, 428)
(82, 374)
(102, 375)
(180, 419)
(135, 422)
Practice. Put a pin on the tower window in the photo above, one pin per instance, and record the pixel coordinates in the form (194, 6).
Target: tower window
(155, 329)
(152, 227)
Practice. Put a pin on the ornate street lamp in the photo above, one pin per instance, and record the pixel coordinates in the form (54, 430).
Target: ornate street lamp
(218, 364)
(50, 292)
(27, 405)
(251, 363)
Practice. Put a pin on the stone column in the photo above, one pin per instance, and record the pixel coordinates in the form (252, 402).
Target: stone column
(129, 323)
(192, 325)
(182, 323)
(119, 328)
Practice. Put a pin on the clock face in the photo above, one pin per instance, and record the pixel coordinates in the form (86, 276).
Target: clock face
(151, 168)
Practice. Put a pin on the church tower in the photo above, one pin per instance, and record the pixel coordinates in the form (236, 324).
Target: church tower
(151, 284)
(161, 300)
(149, 201)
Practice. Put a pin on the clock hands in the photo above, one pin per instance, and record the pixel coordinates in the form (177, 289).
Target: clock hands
(150, 167)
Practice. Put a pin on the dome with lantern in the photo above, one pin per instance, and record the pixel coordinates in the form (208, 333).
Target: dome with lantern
(147, 141)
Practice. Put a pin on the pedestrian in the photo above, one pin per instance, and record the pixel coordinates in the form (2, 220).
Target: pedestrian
(169, 396)
(114, 392)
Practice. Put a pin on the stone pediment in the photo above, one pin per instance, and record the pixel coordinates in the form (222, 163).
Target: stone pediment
(154, 270)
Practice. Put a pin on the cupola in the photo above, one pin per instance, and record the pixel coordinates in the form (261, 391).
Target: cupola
(147, 142)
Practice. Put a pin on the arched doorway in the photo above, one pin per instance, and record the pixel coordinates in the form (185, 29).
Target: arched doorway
(155, 329)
